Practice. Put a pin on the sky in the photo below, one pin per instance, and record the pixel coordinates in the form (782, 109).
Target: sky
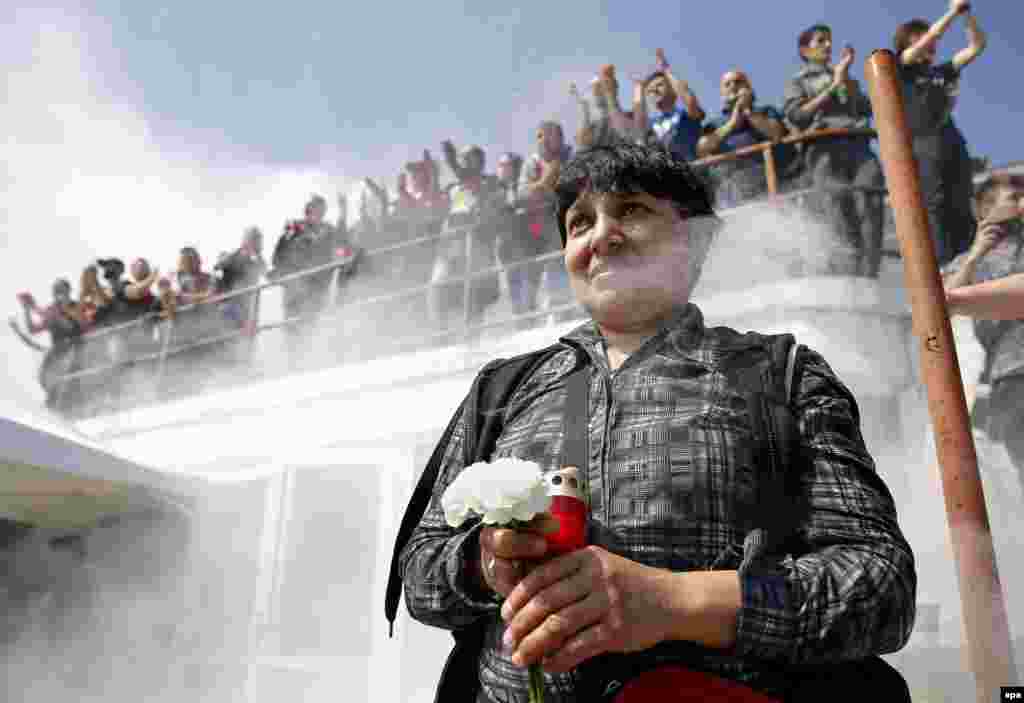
(132, 128)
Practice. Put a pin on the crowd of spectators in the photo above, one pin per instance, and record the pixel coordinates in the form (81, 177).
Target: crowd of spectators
(421, 241)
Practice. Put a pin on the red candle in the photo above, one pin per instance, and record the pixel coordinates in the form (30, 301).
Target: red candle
(569, 508)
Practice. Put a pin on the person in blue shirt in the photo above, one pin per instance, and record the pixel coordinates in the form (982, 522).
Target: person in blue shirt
(676, 127)
(741, 123)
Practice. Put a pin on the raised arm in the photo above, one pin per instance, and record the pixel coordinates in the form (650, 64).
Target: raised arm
(1001, 299)
(137, 291)
(451, 158)
(682, 88)
(711, 142)
(378, 192)
(582, 103)
(619, 121)
(964, 267)
(913, 53)
(977, 41)
(640, 106)
(29, 306)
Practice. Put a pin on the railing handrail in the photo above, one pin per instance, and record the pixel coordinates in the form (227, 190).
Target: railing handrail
(448, 233)
(807, 136)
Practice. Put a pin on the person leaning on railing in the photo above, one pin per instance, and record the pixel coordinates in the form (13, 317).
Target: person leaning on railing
(822, 96)
(930, 93)
(742, 123)
(304, 244)
(242, 268)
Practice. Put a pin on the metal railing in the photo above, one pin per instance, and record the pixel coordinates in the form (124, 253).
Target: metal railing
(470, 278)
(767, 151)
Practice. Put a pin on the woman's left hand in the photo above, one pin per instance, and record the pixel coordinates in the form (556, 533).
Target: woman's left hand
(588, 602)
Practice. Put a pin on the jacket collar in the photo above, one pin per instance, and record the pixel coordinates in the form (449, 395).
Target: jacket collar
(679, 334)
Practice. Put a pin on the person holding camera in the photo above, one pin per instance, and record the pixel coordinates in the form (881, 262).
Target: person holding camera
(997, 253)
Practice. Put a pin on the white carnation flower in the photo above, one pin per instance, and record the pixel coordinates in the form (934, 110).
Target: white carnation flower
(501, 491)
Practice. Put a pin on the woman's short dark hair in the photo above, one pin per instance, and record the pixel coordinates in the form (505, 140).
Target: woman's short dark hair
(631, 168)
(804, 40)
(901, 39)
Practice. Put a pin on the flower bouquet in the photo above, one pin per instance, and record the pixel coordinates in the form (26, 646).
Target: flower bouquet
(514, 494)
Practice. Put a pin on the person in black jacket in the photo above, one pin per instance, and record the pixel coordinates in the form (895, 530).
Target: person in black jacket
(242, 268)
(930, 94)
(305, 244)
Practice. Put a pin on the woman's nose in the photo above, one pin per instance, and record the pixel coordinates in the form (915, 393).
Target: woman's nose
(606, 229)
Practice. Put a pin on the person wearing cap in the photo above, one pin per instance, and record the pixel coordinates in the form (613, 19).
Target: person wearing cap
(844, 170)
(741, 123)
(997, 253)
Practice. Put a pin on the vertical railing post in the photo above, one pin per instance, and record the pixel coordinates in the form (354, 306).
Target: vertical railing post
(62, 384)
(165, 345)
(467, 286)
(771, 173)
(252, 325)
(981, 593)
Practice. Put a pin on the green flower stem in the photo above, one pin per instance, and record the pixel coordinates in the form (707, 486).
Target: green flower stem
(536, 683)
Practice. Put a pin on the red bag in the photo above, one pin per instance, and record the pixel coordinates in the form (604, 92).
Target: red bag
(674, 684)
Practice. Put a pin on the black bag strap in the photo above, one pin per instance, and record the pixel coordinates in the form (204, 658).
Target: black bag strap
(576, 422)
(484, 410)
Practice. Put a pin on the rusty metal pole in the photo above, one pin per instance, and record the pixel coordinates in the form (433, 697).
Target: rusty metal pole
(771, 173)
(981, 594)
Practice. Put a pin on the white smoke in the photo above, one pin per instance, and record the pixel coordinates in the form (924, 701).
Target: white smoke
(84, 178)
